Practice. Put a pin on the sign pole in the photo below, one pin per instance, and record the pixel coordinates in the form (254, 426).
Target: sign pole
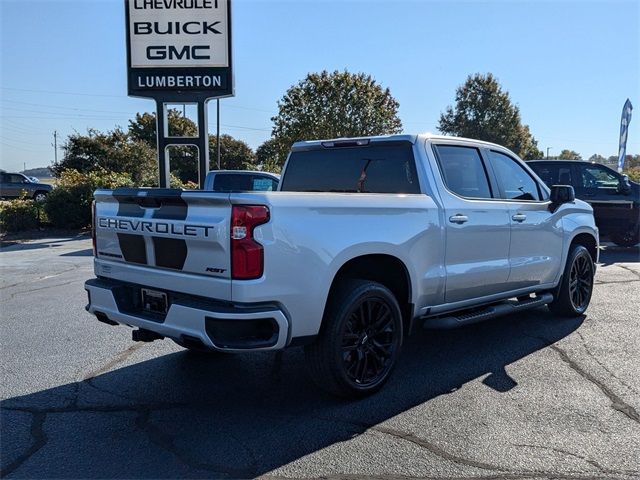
(163, 164)
(203, 142)
(218, 131)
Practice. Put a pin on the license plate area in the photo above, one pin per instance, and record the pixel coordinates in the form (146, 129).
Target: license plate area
(154, 301)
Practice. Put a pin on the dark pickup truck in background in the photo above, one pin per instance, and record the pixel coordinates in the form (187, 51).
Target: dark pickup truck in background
(614, 198)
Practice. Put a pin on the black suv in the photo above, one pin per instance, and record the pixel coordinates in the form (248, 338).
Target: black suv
(14, 185)
(615, 199)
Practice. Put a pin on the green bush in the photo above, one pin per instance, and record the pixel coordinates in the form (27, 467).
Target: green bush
(18, 215)
(69, 204)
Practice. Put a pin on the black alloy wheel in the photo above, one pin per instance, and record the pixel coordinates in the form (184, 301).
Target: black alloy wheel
(369, 342)
(359, 341)
(581, 282)
(573, 295)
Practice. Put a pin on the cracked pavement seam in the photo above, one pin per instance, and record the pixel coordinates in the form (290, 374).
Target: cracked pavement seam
(616, 402)
(409, 437)
(39, 441)
(166, 442)
(599, 362)
(575, 455)
(39, 415)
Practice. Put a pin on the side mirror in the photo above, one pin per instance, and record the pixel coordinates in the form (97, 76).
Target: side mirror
(624, 187)
(561, 194)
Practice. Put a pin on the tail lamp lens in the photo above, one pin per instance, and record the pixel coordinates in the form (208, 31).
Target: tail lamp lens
(247, 255)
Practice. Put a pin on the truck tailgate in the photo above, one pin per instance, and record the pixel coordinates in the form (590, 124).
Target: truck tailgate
(170, 239)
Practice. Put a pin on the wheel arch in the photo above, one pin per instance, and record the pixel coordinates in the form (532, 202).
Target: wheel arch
(588, 241)
(385, 269)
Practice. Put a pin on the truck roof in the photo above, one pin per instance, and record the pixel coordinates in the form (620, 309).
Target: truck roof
(411, 138)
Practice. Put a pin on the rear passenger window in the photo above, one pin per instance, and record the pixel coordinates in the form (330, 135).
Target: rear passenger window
(515, 181)
(463, 171)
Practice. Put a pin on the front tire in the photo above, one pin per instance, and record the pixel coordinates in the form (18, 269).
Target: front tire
(574, 294)
(40, 196)
(627, 239)
(359, 342)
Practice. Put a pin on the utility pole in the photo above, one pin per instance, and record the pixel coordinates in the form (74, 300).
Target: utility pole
(548, 148)
(218, 131)
(55, 146)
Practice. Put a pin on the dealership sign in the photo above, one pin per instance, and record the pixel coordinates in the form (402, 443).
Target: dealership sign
(179, 48)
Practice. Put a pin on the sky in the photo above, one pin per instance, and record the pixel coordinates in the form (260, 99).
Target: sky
(569, 66)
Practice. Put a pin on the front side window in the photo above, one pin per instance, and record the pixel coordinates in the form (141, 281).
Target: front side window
(515, 181)
(463, 171)
(593, 176)
(14, 178)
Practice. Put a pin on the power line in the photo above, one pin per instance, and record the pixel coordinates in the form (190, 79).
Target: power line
(242, 107)
(63, 93)
(130, 112)
(20, 148)
(22, 142)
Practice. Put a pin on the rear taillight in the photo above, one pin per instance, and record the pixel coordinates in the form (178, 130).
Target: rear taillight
(247, 255)
(93, 227)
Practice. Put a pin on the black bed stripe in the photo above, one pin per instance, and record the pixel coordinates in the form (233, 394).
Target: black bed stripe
(170, 252)
(133, 248)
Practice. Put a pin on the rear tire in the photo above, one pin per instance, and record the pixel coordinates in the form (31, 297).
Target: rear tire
(359, 342)
(574, 293)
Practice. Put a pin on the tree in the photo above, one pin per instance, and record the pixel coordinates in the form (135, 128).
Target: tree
(267, 157)
(234, 154)
(569, 155)
(484, 111)
(134, 151)
(113, 151)
(143, 127)
(332, 105)
(597, 158)
(183, 160)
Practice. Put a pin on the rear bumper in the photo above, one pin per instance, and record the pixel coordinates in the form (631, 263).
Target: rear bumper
(218, 325)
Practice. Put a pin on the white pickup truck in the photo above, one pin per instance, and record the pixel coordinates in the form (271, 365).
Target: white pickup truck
(364, 239)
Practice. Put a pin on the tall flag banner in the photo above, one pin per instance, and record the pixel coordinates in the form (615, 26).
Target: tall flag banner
(624, 131)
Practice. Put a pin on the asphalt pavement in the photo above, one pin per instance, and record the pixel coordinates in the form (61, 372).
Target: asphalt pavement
(525, 396)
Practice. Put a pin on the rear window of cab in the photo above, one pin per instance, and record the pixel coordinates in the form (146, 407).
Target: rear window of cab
(374, 168)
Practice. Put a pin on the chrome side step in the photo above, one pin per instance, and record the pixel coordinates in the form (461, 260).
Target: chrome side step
(492, 311)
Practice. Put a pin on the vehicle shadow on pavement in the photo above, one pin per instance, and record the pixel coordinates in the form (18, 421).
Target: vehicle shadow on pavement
(613, 254)
(180, 415)
(13, 246)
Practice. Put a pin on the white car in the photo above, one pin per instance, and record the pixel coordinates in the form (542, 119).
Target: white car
(364, 239)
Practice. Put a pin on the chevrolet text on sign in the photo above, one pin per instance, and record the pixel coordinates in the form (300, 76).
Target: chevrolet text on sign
(179, 46)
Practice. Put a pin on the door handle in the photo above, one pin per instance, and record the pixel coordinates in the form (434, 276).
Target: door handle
(459, 219)
(519, 217)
